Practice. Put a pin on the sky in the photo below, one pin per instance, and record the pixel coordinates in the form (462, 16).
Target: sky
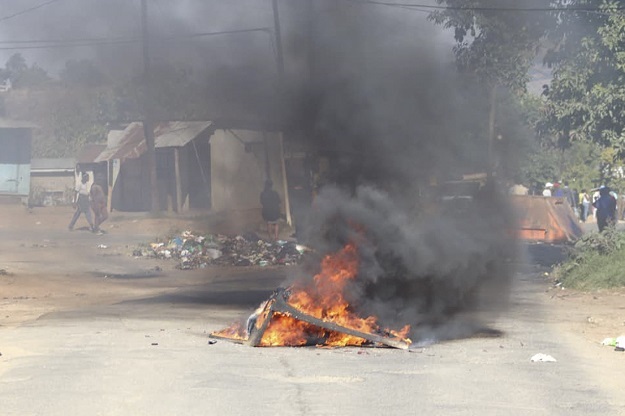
(87, 19)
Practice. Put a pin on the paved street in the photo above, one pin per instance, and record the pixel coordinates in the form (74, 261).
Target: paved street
(86, 330)
(150, 356)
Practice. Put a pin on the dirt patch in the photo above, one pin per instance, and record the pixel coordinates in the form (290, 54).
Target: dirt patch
(591, 316)
(45, 268)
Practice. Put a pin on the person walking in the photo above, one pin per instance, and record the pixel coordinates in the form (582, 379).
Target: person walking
(270, 202)
(605, 209)
(81, 203)
(98, 205)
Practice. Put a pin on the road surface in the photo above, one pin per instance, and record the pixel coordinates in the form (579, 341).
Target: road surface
(93, 331)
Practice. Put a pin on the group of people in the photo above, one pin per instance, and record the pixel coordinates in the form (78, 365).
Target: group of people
(87, 199)
(602, 203)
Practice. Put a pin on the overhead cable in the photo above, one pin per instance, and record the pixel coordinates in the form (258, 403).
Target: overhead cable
(493, 9)
(28, 10)
(83, 42)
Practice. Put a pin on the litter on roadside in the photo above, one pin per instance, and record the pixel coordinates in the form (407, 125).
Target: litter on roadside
(618, 342)
(194, 250)
(543, 358)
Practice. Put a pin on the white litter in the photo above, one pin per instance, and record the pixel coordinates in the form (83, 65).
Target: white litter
(544, 358)
(610, 342)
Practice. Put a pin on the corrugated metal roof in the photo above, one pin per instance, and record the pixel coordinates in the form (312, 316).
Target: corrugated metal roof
(6, 123)
(53, 164)
(89, 152)
(131, 144)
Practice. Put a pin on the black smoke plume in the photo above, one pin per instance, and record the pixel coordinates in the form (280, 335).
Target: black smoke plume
(396, 121)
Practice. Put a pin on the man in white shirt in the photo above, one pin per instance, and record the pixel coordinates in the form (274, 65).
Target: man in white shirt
(547, 190)
(81, 202)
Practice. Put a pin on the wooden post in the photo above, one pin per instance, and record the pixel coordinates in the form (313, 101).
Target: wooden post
(285, 183)
(491, 130)
(148, 125)
(178, 181)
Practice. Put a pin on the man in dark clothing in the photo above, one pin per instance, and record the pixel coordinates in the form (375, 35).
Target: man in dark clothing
(98, 204)
(270, 201)
(606, 208)
(569, 195)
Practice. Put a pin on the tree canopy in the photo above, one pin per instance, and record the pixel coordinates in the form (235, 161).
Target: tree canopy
(498, 46)
(21, 75)
(586, 98)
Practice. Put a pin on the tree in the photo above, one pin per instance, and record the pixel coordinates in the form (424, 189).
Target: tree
(21, 75)
(497, 45)
(586, 98)
(15, 65)
(75, 117)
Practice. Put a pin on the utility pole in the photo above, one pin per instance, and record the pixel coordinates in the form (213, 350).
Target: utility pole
(148, 124)
(491, 130)
(310, 11)
(279, 53)
(280, 107)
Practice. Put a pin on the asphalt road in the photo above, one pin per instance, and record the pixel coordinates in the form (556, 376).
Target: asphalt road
(150, 356)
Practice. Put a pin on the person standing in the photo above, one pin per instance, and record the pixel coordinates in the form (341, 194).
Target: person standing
(557, 190)
(270, 202)
(569, 195)
(547, 190)
(81, 203)
(605, 209)
(584, 199)
(98, 205)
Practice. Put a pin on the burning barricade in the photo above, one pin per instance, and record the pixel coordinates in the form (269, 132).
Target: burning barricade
(194, 250)
(315, 314)
(381, 277)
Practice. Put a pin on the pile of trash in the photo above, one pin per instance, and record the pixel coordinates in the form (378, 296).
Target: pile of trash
(198, 251)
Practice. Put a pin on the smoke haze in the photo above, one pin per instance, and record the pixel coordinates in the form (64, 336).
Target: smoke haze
(388, 108)
(376, 91)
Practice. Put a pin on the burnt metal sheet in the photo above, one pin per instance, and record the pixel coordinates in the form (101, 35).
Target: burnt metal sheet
(6, 123)
(53, 165)
(278, 304)
(548, 219)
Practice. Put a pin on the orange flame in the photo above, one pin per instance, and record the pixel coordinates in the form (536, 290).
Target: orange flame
(325, 300)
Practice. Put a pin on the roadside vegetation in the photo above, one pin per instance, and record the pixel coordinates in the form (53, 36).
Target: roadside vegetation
(596, 261)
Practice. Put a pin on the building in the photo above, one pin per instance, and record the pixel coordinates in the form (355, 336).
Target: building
(241, 161)
(200, 165)
(15, 155)
(52, 181)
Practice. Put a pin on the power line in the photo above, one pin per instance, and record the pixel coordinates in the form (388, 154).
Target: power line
(73, 40)
(83, 42)
(494, 9)
(28, 10)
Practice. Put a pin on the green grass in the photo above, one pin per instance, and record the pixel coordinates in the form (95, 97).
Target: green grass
(594, 271)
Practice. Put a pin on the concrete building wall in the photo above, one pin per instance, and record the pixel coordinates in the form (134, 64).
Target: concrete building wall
(52, 189)
(15, 146)
(238, 162)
